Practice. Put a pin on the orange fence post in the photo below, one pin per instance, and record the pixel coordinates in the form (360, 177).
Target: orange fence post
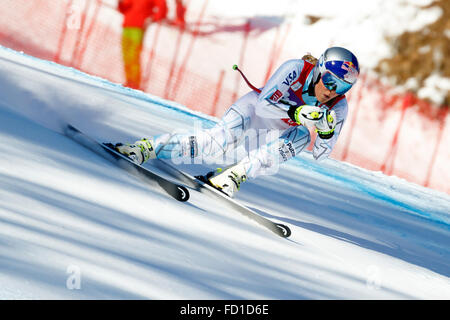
(173, 64)
(182, 68)
(62, 36)
(82, 48)
(218, 92)
(149, 64)
(390, 157)
(354, 117)
(80, 33)
(436, 146)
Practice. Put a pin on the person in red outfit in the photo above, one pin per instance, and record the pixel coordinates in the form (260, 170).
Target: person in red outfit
(136, 13)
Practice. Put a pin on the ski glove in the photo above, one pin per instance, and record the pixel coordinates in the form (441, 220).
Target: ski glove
(321, 118)
(325, 127)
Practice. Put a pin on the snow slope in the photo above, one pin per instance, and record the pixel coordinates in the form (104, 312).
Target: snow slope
(74, 226)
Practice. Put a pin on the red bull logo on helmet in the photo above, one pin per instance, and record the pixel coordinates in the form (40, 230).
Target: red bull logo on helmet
(348, 64)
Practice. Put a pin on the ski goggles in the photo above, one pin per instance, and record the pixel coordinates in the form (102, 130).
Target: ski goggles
(333, 83)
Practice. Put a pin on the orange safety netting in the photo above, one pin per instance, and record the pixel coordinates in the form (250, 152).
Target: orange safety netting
(192, 66)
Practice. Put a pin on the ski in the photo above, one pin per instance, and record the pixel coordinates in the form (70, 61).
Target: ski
(177, 191)
(199, 184)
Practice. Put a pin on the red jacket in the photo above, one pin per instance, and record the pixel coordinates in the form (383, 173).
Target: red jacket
(137, 11)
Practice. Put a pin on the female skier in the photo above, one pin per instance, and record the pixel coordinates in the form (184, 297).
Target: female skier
(300, 95)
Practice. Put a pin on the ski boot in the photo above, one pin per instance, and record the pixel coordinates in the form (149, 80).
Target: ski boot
(139, 152)
(228, 180)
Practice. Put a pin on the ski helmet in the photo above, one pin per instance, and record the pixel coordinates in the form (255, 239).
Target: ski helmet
(338, 68)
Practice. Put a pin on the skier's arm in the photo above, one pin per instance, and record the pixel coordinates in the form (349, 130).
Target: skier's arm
(270, 100)
(324, 145)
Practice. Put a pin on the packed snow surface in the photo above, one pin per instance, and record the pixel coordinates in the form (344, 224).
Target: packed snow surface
(75, 226)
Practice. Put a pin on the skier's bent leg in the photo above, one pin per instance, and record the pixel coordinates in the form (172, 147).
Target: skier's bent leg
(203, 143)
(262, 161)
(206, 144)
(266, 160)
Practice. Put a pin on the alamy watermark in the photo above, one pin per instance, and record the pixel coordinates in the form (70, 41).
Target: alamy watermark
(224, 146)
(374, 277)
(73, 281)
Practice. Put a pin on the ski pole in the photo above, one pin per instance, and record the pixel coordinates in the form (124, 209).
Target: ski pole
(235, 67)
